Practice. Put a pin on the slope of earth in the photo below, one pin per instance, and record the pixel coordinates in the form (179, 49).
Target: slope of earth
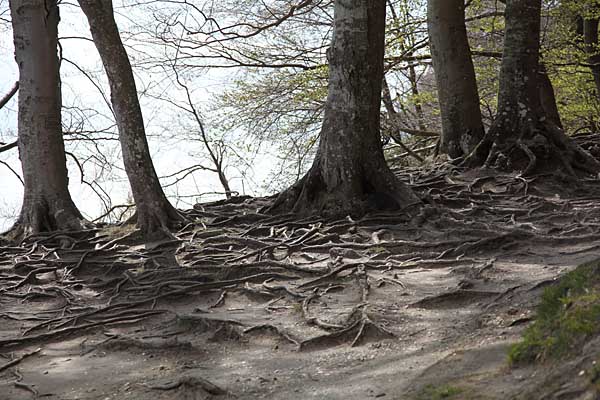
(245, 305)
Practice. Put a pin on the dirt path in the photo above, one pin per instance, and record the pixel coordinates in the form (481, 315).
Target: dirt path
(244, 305)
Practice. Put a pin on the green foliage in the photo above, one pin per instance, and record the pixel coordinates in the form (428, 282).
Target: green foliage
(485, 35)
(280, 110)
(440, 392)
(568, 313)
(269, 105)
(566, 60)
(486, 72)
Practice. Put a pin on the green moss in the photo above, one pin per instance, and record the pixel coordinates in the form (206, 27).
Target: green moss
(377, 250)
(568, 313)
(440, 392)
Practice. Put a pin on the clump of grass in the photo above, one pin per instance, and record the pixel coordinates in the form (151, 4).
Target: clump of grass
(568, 313)
(440, 392)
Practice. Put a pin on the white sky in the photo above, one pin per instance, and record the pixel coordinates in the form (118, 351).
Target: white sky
(170, 154)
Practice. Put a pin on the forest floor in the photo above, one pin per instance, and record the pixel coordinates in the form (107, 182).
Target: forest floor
(250, 306)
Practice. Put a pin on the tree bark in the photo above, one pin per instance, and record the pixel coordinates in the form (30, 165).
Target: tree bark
(462, 126)
(548, 98)
(349, 174)
(47, 204)
(155, 215)
(522, 137)
(590, 40)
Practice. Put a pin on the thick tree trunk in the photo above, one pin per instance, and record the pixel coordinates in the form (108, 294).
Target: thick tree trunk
(349, 174)
(522, 137)
(462, 126)
(47, 204)
(154, 212)
(590, 39)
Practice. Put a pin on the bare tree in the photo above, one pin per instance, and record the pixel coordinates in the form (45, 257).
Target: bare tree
(154, 212)
(462, 126)
(349, 174)
(47, 204)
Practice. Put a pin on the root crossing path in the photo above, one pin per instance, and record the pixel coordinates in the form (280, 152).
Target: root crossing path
(250, 306)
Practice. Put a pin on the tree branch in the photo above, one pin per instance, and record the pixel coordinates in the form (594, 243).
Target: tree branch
(9, 95)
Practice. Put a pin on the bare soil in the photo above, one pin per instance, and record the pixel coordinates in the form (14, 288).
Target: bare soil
(251, 306)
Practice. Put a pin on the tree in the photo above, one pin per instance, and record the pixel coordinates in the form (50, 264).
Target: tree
(154, 212)
(522, 137)
(349, 174)
(548, 98)
(47, 204)
(590, 39)
(462, 126)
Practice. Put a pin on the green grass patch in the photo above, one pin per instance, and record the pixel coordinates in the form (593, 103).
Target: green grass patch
(568, 314)
(440, 392)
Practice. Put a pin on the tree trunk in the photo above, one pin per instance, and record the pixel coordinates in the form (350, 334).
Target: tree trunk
(462, 126)
(349, 174)
(47, 204)
(548, 98)
(154, 212)
(522, 136)
(590, 39)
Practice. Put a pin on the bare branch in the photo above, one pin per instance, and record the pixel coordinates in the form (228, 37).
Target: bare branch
(15, 173)
(9, 95)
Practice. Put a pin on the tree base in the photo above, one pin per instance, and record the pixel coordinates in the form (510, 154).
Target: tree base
(378, 190)
(155, 223)
(43, 216)
(540, 148)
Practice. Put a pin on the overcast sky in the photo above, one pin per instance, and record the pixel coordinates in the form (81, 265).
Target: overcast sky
(170, 152)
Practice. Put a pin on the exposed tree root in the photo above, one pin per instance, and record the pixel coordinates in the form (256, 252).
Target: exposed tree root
(27, 387)
(42, 217)
(381, 190)
(454, 299)
(355, 334)
(83, 327)
(360, 325)
(537, 147)
(272, 329)
(299, 268)
(19, 359)
(191, 383)
(157, 222)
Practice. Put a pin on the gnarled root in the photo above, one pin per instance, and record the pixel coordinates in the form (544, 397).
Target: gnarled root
(541, 147)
